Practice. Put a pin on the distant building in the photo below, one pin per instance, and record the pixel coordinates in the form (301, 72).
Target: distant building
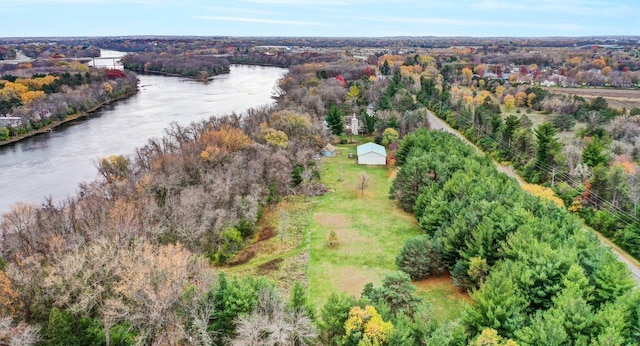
(10, 121)
(371, 154)
(354, 125)
(548, 83)
(328, 151)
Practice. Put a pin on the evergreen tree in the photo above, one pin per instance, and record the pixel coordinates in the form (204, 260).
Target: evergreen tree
(397, 292)
(420, 258)
(333, 316)
(594, 154)
(385, 69)
(299, 299)
(334, 120)
(369, 122)
(60, 330)
(498, 305)
(547, 148)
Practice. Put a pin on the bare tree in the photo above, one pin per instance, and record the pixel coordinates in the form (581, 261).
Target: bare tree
(17, 335)
(141, 283)
(363, 182)
(272, 324)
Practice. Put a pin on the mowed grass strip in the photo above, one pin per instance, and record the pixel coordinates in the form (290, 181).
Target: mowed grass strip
(370, 229)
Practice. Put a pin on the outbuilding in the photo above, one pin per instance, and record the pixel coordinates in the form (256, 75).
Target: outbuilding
(329, 150)
(372, 154)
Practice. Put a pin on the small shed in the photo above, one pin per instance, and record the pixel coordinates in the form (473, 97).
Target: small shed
(329, 150)
(372, 154)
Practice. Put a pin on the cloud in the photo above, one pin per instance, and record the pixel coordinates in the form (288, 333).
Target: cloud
(91, 2)
(572, 7)
(562, 27)
(258, 20)
(299, 2)
(238, 10)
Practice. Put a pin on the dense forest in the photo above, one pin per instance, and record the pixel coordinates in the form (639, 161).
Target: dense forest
(535, 275)
(133, 257)
(595, 174)
(58, 50)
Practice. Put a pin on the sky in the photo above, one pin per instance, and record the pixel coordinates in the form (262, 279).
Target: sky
(326, 18)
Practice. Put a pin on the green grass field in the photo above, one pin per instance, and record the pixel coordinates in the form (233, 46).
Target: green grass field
(292, 240)
(370, 229)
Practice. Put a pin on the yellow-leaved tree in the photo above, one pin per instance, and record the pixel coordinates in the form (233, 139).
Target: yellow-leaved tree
(467, 74)
(509, 102)
(490, 337)
(31, 96)
(366, 326)
(499, 91)
(521, 98)
(275, 137)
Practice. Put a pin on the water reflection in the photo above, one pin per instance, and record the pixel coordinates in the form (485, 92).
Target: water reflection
(53, 164)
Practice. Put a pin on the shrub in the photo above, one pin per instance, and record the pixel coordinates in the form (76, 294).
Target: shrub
(420, 257)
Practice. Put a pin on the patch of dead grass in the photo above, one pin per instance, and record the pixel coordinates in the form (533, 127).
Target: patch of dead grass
(351, 280)
(330, 220)
(442, 281)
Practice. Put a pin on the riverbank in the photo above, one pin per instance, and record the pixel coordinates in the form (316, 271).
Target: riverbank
(53, 164)
(72, 117)
(167, 74)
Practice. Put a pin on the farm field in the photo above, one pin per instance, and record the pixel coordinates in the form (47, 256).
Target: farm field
(617, 98)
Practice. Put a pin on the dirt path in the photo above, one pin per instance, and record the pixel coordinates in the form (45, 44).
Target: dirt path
(439, 124)
(634, 267)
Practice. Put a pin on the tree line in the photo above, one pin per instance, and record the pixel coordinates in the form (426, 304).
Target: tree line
(190, 66)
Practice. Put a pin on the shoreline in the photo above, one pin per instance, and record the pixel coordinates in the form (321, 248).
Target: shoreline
(160, 73)
(53, 125)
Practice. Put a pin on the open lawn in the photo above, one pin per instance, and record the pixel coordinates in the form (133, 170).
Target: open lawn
(292, 241)
(370, 229)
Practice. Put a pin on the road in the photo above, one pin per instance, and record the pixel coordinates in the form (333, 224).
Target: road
(439, 124)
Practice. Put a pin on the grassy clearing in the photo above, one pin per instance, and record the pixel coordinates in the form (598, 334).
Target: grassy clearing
(292, 239)
(370, 228)
(448, 301)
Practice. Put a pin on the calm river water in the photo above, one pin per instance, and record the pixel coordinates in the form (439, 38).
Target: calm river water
(53, 164)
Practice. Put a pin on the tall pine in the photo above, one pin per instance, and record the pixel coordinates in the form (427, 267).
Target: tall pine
(334, 120)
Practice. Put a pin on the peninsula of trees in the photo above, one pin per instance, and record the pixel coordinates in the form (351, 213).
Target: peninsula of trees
(201, 67)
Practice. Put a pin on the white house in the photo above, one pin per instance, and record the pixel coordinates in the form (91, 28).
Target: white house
(10, 121)
(372, 154)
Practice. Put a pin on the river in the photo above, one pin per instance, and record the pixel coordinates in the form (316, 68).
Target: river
(53, 164)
